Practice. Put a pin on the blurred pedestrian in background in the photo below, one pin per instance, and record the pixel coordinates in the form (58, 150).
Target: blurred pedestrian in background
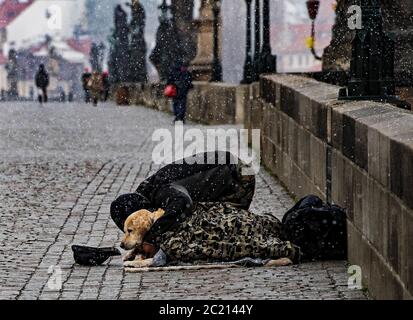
(181, 78)
(106, 86)
(95, 86)
(62, 94)
(85, 84)
(42, 82)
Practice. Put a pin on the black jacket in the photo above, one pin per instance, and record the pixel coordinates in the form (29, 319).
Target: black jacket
(182, 79)
(42, 78)
(106, 83)
(85, 80)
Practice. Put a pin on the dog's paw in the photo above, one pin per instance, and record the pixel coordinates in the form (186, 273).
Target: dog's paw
(130, 256)
(134, 264)
(138, 263)
(279, 263)
(129, 264)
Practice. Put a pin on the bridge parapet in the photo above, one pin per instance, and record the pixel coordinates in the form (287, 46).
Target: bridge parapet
(356, 154)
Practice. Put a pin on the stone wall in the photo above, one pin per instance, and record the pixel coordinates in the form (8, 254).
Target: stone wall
(210, 103)
(359, 155)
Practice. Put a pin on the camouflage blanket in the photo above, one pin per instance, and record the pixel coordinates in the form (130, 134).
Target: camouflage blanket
(218, 232)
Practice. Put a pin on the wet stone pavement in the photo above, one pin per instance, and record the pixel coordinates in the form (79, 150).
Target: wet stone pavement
(62, 165)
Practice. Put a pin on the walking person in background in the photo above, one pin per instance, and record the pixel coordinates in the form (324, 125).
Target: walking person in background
(181, 78)
(62, 94)
(42, 82)
(95, 86)
(85, 84)
(106, 85)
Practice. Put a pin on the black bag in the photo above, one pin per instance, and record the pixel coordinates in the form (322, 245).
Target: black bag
(319, 229)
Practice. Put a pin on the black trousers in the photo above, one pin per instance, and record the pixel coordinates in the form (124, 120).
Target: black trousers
(87, 95)
(43, 96)
(179, 107)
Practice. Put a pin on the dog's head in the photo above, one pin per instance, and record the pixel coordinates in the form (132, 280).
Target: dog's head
(137, 225)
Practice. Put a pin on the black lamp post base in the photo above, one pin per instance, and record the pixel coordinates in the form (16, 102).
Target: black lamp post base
(216, 73)
(268, 63)
(343, 95)
(216, 64)
(248, 73)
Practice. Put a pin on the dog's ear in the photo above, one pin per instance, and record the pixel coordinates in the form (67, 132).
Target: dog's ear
(157, 214)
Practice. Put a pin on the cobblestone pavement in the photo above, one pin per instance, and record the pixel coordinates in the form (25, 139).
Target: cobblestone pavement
(61, 167)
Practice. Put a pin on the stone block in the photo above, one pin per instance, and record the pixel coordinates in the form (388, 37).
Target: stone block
(396, 171)
(318, 162)
(301, 183)
(349, 137)
(374, 155)
(384, 161)
(284, 121)
(407, 173)
(361, 146)
(337, 178)
(391, 123)
(288, 102)
(336, 129)
(279, 136)
(319, 120)
(394, 232)
(377, 205)
(407, 249)
(359, 197)
(347, 187)
(359, 252)
(401, 171)
(287, 171)
(278, 161)
(303, 150)
(305, 111)
(273, 157)
(274, 130)
(270, 120)
(293, 140)
(383, 284)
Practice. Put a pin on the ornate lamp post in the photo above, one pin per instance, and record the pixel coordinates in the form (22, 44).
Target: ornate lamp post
(248, 65)
(372, 61)
(216, 63)
(268, 60)
(313, 7)
(257, 47)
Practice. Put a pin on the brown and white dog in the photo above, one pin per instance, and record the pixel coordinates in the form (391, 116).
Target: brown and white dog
(135, 228)
(138, 224)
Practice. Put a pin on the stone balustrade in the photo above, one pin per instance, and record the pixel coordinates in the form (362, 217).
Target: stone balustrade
(210, 103)
(358, 155)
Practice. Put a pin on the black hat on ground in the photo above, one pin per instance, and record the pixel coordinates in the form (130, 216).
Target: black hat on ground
(88, 256)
